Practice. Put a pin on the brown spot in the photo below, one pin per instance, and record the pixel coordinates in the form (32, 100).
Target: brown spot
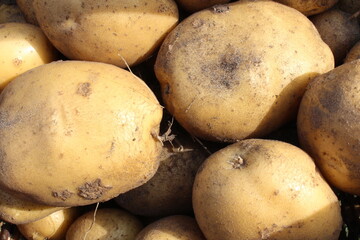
(63, 195)
(84, 89)
(92, 190)
(221, 8)
(17, 61)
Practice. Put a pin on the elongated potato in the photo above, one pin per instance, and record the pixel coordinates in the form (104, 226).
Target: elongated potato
(82, 132)
(239, 70)
(107, 31)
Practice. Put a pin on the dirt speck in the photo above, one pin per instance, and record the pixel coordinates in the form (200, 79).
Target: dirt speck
(221, 8)
(84, 89)
(63, 195)
(92, 190)
(17, 61)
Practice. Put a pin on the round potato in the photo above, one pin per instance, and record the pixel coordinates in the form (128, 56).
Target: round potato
(83, 132)
(116, 32)
(26, 7)
(105, 224)
(53, 226)
(175, 227)
(264, 189)
(339, 30)
(353, 54)
(197, 5)
(23, 46)
(222, 82)
(18, 211)
(309, 7)
(169, 191)
(328, 125)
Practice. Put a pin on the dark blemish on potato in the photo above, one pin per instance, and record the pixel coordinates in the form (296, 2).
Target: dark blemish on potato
(84, 89)
(222, 8)
(167, 89)
(61, 155)
(63, 195)
(93, 190)
(276, 192)
(17, 61)
(237, 162)
(331, 99)
(316, 116)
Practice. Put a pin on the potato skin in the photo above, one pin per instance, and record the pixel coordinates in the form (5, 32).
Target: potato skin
(339, 30)
(90, 129)
(328, 125)
(222, 82)
(175, 227)
(26, 7)
(106, 31)
(23, 46)
(197, 5)
(353, 54)
(264, 189)
(309, 7)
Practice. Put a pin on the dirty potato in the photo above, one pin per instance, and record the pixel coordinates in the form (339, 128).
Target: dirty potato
(239, 70)
(83, 132)
(328, 125)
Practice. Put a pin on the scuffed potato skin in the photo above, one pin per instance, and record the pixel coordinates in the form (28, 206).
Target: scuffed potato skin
(328, 125)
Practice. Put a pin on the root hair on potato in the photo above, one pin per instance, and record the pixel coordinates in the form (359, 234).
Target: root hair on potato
(93, 222)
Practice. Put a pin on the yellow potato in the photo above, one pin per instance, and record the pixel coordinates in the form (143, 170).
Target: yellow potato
(107, 31)
(264, 189)
(175, 227)
(239, 70)
(105, 224)
(23, 46)
(17, 211)
(328, 125)
(76, 133)
(53, 226)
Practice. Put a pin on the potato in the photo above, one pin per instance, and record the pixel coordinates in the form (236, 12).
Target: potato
(197, 5)
(53, 226)
(83, 132)
(23, 46)
(17, 211)
(353, 54)
(175, 227)
(105, 224)
(169, 191)
(350, 6)
(309, 7)
(264, 189)
(26, 7)
(10, 13)
(339, 30)
(222, 82)
(328, 125)
(106, 31)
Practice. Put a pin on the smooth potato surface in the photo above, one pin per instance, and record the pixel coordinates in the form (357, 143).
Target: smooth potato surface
(106, 31)
(23, 46)
(87, 132)
(264, 189)
(328, 125)
(238, 70)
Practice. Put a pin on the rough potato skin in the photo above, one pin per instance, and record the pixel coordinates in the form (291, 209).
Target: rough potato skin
(328, 125)
(264, 189)
(109, 31)
(222, 82)
(82, 132)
